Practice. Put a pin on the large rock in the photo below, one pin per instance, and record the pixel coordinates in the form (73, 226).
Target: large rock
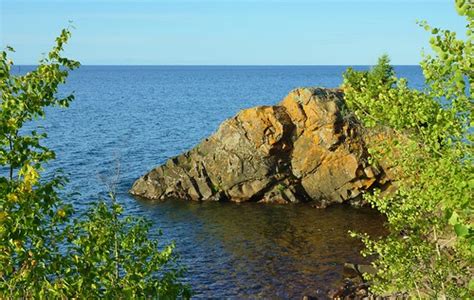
(306, 148)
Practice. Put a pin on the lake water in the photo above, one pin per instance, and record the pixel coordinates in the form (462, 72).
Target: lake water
(137, 117)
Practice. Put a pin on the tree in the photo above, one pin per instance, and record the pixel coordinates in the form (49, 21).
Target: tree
(45, 249)
(429, 250)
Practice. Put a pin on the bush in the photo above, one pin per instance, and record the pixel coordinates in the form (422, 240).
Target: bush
(429, 251)
(45, 251)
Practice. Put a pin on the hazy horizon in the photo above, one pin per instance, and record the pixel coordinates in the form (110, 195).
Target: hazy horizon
(223, 65)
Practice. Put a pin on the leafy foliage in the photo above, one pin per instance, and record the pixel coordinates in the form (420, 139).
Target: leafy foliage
(113, 257)
(44, 250)
(429, 251)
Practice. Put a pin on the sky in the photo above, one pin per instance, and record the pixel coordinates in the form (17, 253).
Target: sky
(225, 32)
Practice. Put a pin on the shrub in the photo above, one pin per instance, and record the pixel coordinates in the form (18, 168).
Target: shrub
(45, 250)
(429, 251)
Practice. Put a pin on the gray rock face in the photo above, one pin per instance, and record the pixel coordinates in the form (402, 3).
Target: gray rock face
(300, 150)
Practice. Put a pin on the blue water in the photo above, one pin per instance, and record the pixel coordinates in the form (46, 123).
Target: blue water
(134, 118)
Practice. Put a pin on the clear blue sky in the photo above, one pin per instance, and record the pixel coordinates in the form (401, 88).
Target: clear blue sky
(230, 32)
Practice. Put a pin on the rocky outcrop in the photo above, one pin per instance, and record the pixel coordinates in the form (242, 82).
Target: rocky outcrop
(306, 148)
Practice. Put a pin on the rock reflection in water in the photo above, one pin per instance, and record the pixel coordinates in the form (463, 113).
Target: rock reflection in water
(255, 250)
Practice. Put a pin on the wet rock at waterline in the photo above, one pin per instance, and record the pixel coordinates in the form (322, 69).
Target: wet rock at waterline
(306, 148)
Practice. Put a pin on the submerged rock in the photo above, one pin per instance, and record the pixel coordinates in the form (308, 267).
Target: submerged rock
(306, 148)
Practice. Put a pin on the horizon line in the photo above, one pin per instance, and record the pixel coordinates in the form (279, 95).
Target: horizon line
(225, 65)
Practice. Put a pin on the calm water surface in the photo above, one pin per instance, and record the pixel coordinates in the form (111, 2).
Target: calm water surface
(137, 117)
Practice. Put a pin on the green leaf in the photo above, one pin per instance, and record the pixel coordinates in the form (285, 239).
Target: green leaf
(453, 220)
(461, 230)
